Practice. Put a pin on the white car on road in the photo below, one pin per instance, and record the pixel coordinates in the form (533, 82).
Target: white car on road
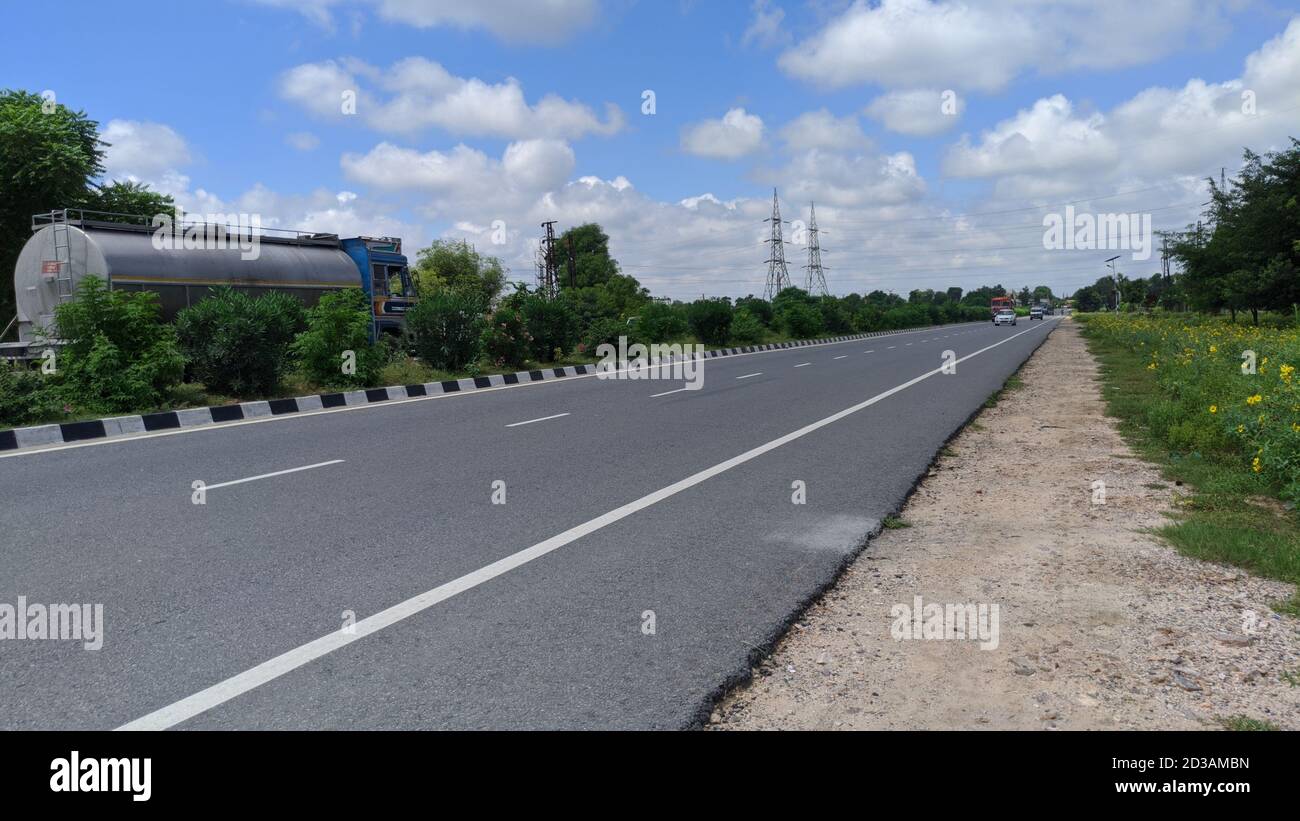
(1006, 316)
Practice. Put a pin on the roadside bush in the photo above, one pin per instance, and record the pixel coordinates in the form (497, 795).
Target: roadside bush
(602, 332)
(800, 320)
(448, 326)
(746, 329)
(660, 322)
(553, 326)
(506, 339)
(239, 345)
(117, 356)
(339, 323)
(25, 398)
(710, 320)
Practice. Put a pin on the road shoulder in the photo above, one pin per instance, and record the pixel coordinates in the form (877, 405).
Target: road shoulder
(1100, 625)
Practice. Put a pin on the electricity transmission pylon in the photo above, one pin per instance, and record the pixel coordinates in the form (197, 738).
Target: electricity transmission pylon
(778, 275)
(816, 273)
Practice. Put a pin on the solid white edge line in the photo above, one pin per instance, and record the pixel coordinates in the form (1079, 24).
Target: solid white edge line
(118, 440)
(543, 419)
(272, 669)
(277, 473)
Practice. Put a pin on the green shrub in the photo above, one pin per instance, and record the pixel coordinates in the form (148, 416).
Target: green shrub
(553, 325)
(239, 345)
(659, 322)
(339, 323)
(447, 326)
(25, 397)
(710, 320)
(506, 340)
(746, 329)
(603, 332)
(116, 355)
(800, 320)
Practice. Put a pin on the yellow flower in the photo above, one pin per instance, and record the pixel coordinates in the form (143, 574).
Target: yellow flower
(1254, 400)
(1241, 429)
(1255, 465)
(1214, 408)
(1214, 349)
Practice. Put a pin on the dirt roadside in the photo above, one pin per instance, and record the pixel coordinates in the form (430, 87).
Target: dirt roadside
(1101, 626)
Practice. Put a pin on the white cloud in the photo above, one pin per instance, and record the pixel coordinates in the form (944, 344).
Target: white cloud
(984, 45)
(1158, 133)
(144, 152)
(738, 133)
(918, 113)
(415, 94)
(529, 21)
(822, 129)
(765, 30)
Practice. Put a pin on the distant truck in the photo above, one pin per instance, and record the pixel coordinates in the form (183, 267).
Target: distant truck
(999, 304)
(68, 245)
(1036, 312)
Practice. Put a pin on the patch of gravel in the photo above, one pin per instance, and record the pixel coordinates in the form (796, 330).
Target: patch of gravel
(1102, 626)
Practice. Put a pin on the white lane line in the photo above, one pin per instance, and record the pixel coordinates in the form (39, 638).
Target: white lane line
(269, 670)
(803, 365)
(543, 419)
(891, 347)
(748, 375)
(277, 473)
(669, 393)
(840, 357)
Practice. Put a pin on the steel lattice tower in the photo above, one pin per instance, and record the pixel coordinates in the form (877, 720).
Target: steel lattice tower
(778, 275)
(816, 273)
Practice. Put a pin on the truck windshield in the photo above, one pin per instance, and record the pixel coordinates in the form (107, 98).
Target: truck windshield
(391, 280)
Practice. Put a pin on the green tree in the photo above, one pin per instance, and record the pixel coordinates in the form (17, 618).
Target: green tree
(588, 245)
(46, 161)
(448, 327)
(457, 265)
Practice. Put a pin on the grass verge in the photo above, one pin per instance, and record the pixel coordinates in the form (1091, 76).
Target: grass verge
(1224, 513)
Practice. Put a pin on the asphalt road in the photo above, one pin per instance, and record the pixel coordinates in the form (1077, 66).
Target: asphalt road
(621, 507)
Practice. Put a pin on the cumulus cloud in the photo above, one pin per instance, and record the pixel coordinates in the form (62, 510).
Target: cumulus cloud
(738, 133)
(1157, 133)
(144, 152)
(765, 29)
(415, 94)
(919, 112)
(530, 21)
(984, 45)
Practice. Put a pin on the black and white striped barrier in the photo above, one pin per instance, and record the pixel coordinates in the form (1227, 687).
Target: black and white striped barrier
(67, 432)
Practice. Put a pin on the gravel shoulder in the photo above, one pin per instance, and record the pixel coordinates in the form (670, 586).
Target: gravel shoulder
(1100, 624)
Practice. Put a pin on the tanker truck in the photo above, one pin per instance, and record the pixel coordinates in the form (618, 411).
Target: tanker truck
(125, 251)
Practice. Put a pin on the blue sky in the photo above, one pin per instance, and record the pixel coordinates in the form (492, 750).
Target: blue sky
(1056, 105)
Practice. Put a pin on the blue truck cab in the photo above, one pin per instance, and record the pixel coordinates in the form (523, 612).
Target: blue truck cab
(386, 279)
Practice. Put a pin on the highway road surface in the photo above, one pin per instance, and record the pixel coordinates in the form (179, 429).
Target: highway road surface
(353, 570)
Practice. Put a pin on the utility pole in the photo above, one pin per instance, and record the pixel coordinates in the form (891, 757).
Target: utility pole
(1115, 279)
(547, 265)
(816, 273)
(778, 275)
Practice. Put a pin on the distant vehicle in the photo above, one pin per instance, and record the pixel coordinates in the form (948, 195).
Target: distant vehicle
(1006, 316)
(1035, 312)
(999, 303)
